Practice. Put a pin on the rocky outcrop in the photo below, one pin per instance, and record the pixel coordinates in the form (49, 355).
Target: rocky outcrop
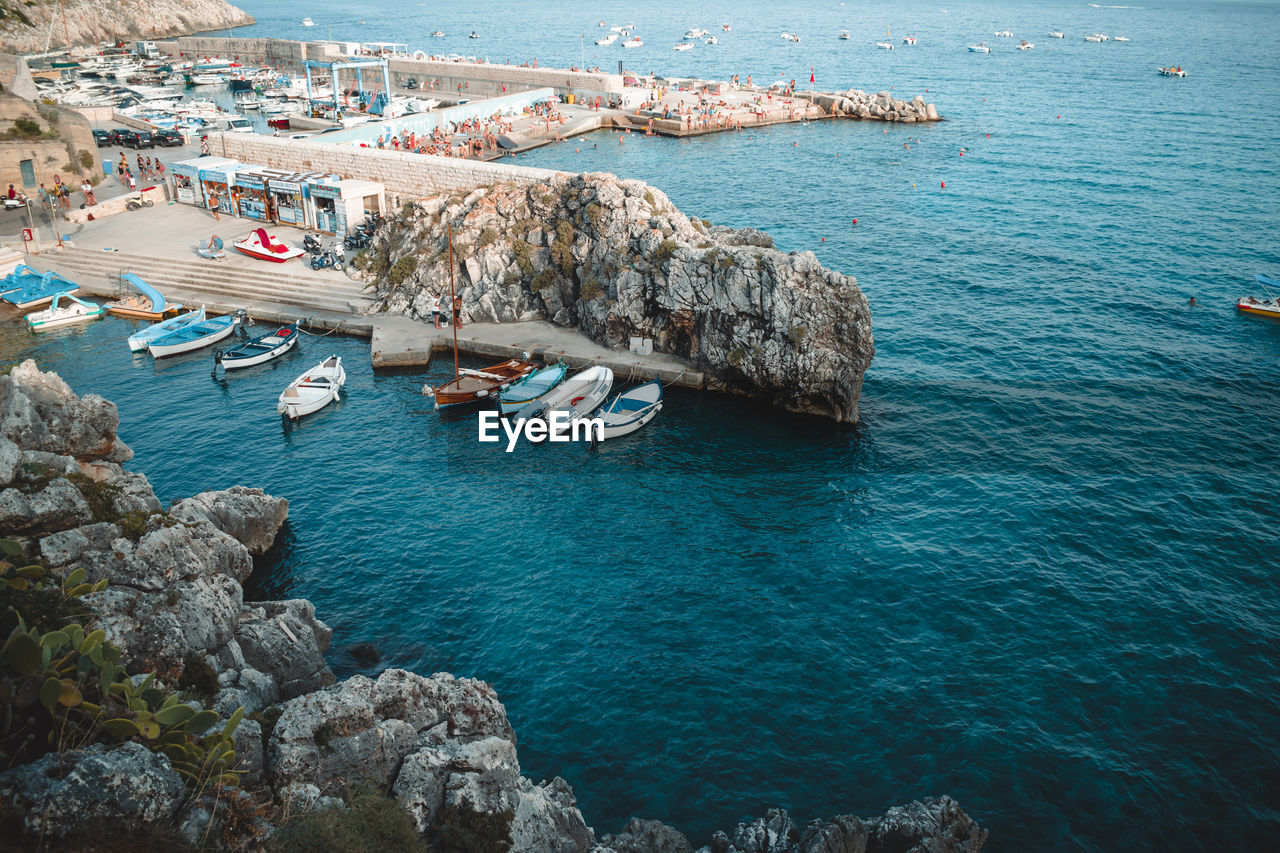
(25, 27)
(122, 786)
(250, 515)
(40, 412)
(617, 260)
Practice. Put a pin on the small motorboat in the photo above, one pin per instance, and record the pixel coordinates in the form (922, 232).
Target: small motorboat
(139, 340)
(307, 22)
(1004, 34)
(64, 309)
(473, 35)
(885, 45)
(437, 34)
(472, 386)
(631, 410)
(844, 35)
(1096, 37)
(725, 27)
(533, 387)
(684, 45)
(792, 37)
(147, 304)
(261, 245)
(633, 42)
(193, 336)
(1171, 71)
(1057, 35)
(607, 40)
(1120, 38)
(24, 288)
(1025, 45)
(1269, 307)
(981, 47)
(258, 350)
(908, 39)
(578, 397)
(711, 40)
(313, 390)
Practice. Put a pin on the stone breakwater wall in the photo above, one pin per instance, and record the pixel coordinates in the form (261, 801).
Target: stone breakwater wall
(616, 260)
(442, 746)
(884, 106)
(406, 176)
(91, 21)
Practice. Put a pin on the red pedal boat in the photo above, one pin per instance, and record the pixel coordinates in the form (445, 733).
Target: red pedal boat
(261, 245)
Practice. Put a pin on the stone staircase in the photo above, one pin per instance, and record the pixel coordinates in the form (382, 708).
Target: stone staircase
(214, 283)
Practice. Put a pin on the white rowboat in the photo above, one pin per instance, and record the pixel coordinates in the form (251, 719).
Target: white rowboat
(313, 390)
(139, 340)
(631, 410)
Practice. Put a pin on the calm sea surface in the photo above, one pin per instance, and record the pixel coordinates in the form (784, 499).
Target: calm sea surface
(1039, 575)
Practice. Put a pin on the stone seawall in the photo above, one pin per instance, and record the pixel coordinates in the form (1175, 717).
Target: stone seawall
(407, 177)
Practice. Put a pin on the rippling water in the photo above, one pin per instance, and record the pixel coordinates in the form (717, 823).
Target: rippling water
(1038, 575)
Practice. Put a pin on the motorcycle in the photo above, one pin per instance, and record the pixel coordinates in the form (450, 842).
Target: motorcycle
(331, 257)
(18, 202)
(137, 203)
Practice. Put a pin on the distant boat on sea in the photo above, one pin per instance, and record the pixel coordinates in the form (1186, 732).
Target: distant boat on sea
(307, 22)
(981, 47)
(1057, 35)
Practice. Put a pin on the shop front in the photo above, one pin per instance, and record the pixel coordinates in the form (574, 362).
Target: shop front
(250, 192)
(339, 205)
(327, 213)
(218, 184)
(186, 178)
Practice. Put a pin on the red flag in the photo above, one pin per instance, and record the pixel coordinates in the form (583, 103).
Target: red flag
(810, 73)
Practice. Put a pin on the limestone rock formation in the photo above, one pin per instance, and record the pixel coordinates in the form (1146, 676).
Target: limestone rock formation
(250, 515)
(26, 26)
(124, 786)
(617, 260)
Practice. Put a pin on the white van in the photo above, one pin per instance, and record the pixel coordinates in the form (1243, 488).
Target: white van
(235, 124)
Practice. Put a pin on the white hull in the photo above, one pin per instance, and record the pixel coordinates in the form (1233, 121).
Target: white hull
(138, 342)
(313, 390)
(64, 316)
(187, 346)
(631, 426)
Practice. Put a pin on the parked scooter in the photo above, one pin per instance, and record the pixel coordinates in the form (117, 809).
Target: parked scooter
(311, 245)
(331, 257)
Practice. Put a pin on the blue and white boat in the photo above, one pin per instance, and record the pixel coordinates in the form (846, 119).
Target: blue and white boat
(258, 350)
(532, 387)
(631, 410)
(24, 288)
(64, 310)
(139, 340)
(193, 336)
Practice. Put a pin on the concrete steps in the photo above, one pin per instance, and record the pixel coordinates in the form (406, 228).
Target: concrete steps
(192, 281)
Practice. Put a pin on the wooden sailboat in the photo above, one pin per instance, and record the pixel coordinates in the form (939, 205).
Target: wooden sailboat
(472, 386)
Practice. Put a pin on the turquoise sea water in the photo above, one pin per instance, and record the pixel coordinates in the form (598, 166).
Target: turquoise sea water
(1038, 575)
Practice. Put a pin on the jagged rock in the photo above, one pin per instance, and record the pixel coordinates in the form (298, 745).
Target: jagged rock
(302, 797)
(38, 411)
(623, 262)
(249, 752)
(547, 819)
(285, 641)
(125, 786)
(250, 515)
(479, 775)
(66, 546)
(363, 727)
(646, 836)
(57, 506)
(10, 461)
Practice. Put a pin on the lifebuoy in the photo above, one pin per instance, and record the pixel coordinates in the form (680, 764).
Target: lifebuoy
(420, 54)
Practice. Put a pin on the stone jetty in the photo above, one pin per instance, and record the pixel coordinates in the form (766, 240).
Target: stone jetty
(439, 750)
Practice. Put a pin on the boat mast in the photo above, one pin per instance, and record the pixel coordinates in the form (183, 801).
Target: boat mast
(453, 312)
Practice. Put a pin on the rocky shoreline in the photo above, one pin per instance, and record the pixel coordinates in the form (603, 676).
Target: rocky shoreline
(617, 260)
(438, 751)
(25, 27)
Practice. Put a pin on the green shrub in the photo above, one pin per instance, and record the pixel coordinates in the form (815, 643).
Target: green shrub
(562, 246)
(595, 215)
(648, 196)
(665, 251)
(87, 160)
(461, 830)
(199, 679)
(728, 262)
(25, 128)
(523, 249)
(372, 820)
(100, 496)
(487, 237)
(543, 280)
(590, 290)
(402, 269)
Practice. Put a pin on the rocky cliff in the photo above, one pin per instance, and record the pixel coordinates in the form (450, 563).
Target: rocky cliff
(25, 26)
(616, 259)
(439, 749)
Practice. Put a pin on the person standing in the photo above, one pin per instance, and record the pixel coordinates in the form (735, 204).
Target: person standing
(435, 308)
(213, 205)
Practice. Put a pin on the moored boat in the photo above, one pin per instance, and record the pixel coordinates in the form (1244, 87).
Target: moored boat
(607, 40)
(630, 410)
(258, 350)
(1004, 34)
(1026, 45)
(193, 336)
(1268, 307)
(633, 42)
(579, 396)
(313, 390)
(844, 35)
(139, 340)
(63, 310)
(1057, 35)
(885, 45)
(684, 45)
(147, 304)
(1173, 71)
(472, 386)
(908, 39)
(532, 387)
(981, 47)
(261, 245)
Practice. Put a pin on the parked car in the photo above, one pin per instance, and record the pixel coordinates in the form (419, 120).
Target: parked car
(168, 138)
(137, 139)
(102, 137)
(115, 135)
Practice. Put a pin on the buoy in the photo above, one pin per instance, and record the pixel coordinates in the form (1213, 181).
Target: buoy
(944, 185)
(962, 152)
(1059, 116)
(988, 136)
(855, 220)
(824, 239)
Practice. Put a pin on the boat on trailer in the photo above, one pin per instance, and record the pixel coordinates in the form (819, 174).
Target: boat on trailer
(258, 350)
(193, 336)
(1269, 307)
(313, 390)
(631, 410)
(64, 309)
(139, 340)
(533, 387)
